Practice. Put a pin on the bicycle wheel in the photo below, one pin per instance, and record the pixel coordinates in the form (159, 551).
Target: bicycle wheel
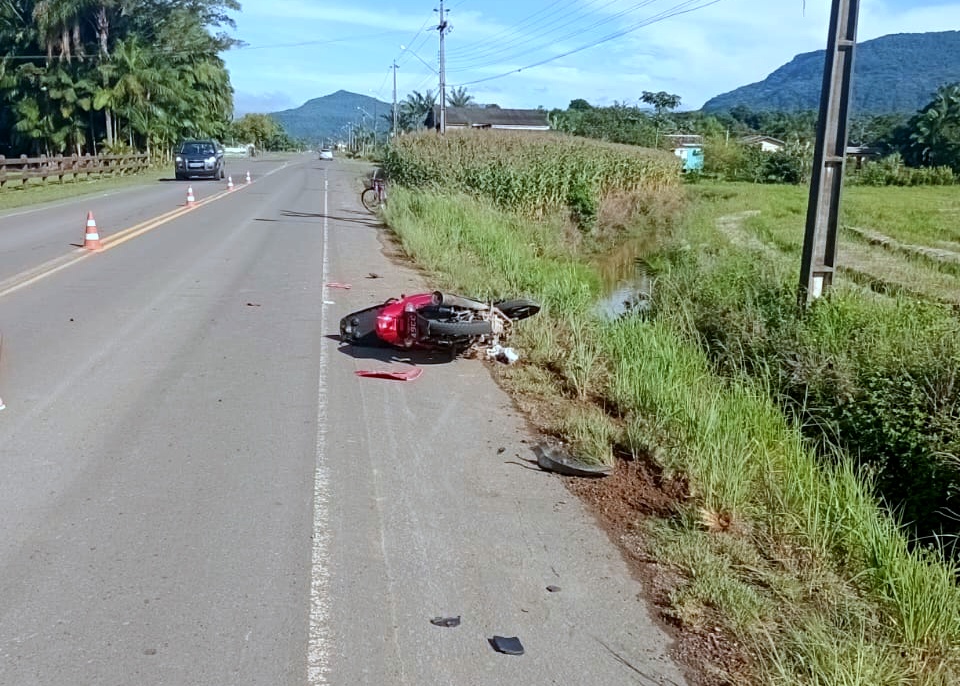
(370, 199)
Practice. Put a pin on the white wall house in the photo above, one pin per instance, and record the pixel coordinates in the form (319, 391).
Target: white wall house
(766, 143)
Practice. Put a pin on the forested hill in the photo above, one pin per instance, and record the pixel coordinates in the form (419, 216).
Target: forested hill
(898, 73)
(323, 118)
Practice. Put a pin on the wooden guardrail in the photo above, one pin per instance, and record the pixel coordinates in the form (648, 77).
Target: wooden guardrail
(45, 168)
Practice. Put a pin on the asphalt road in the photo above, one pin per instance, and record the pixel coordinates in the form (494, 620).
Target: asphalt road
(195, 487)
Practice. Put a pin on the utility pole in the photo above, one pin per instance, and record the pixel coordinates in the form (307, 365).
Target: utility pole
(394, 67)
(443, 28)
(818, 263)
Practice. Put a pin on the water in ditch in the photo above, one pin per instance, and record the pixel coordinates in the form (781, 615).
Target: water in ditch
(628, 279)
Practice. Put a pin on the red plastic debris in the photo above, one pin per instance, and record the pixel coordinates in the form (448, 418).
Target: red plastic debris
(398, 374)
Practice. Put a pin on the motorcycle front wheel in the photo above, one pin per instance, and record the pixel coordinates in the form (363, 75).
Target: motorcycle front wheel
(519, 308)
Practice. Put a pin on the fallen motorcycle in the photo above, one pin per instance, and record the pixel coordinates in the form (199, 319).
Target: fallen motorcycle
(435, 321)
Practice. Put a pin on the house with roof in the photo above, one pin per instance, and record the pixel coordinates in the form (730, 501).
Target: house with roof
(858, 154)
(688, 147)
(765, 143)
(489, 118)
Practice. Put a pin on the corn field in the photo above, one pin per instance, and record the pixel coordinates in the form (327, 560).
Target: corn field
(528, 172)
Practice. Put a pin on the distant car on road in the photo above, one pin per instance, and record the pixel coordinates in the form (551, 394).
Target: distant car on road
(200, 158)
(326, 154)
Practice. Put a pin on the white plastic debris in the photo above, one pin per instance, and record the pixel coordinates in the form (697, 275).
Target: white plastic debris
(502, 354)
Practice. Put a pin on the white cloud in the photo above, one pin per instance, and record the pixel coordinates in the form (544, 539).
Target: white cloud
(696, 55)
(320, 16)
(247, 103)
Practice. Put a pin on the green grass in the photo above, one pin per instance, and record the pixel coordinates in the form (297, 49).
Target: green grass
(775, 226)
(785, 549)
(15, 195)
(922, 215)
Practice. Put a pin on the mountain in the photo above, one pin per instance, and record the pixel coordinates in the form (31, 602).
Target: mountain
(324, 118)
(893, 74)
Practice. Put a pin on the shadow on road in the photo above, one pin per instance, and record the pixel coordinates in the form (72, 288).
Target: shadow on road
(362, 218)
(386, 353)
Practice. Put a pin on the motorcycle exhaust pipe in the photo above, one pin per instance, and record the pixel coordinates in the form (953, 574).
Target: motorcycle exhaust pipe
(450, 300)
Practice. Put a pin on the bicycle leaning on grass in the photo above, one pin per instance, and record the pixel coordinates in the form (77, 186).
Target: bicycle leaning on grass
(375, 195)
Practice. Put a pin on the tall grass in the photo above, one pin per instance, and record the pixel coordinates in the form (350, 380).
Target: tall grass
(781, 545)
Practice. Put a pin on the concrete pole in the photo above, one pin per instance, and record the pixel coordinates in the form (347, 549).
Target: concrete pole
(443, 84)
(823, 209)
(394, 98)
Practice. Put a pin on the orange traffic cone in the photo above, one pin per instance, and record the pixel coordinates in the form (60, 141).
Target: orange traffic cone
(91, 238)
(191, 201)
(229, 183)
(248, 177)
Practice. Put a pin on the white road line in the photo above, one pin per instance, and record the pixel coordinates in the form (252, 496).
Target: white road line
(318, 655)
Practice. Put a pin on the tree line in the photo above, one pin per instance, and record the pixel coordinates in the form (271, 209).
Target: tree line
(84, 76)
(927, 140)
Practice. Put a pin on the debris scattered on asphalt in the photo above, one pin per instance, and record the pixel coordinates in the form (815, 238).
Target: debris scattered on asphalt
(553, 589)
(508, 645)
(253, 304)
(501, 450)
(337, 284)
(2, 406)
(446, 621)
(501, 354)
(553, 459)
(398, 374)
(373, 275)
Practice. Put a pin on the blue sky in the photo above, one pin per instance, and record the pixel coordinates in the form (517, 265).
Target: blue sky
(530, 53)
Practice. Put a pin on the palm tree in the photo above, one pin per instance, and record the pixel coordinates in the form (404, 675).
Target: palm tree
(158, 75)
(935, 136)
(414, 110)
(58, 22)
(458, 97)
(141, 80)
(72, 93)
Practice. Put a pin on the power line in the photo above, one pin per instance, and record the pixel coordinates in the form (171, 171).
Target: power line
(525, 38)
(243, 48)
(516, 28)
(551, 40)
(316, 42)
(676, 10)
(412, 43)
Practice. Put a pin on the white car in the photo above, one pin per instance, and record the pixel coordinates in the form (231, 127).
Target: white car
(326, 154)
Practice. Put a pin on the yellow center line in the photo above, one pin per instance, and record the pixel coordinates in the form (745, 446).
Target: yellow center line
(51, 267)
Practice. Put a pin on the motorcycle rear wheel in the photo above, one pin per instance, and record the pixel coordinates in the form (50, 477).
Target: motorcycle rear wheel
(439, 328)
